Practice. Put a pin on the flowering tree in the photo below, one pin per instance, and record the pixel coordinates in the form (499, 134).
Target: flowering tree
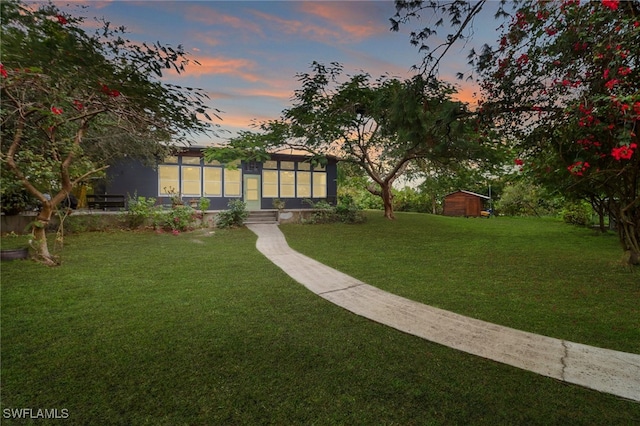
(562, 84)
(72, 101)
(565, 81)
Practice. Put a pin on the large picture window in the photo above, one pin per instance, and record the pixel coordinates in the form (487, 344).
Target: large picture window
(287, 184)
(190, 181)
(189, 178)
(168, 179)
(270, 183)
(319, 185)
(232, 182)
(303, 185)
(212, 181)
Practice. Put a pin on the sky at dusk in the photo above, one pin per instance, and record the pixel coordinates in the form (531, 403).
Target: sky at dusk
(251, 51)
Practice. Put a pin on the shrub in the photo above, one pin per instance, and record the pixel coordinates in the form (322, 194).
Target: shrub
(577, 213)
(140, 211)
(234, 216)
(180, 218)
(203, 204)
(346, 211)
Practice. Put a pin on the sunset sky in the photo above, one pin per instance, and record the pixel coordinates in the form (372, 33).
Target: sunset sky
(251, 51)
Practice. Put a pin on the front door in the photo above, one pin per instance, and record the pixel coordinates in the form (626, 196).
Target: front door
(252, 191)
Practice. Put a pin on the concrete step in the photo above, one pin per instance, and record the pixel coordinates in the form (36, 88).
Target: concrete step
(262, 216)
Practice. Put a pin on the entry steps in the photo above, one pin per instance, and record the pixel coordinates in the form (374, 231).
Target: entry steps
(262, 217)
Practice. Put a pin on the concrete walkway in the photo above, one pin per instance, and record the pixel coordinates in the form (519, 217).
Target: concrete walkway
(604, 370)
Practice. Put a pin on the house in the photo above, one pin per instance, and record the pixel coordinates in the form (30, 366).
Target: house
(464, 203)
(287, 177)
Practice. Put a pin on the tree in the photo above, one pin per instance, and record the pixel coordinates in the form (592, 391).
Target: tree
(381, 126)
(563, 84)
(458, 15)
(72, 102)
(576, 118)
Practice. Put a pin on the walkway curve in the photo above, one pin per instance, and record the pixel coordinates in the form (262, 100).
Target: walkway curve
(604, 370)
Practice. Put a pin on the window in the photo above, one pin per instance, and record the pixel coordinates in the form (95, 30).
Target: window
(171, 159)
(191, 161)
(287, 165)
(232, 186)
(303, 185)
(319, 185)
(270, 164)
(304, 166)
(251, 166)
(270, 183)
(212, 181)
(190, 181)
(287, 184)
(168, 179)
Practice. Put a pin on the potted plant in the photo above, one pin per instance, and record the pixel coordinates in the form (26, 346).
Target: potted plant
(278, 204)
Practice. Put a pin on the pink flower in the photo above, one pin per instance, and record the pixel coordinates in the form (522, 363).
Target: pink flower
(542, 15)
(113, 93)
(175, 232)
(578, 168)
(611, 4)
(3, 72)
(78, 105)
(56, 111)
(624, 71)
(611, 83)
(523, 59)
(623, 152)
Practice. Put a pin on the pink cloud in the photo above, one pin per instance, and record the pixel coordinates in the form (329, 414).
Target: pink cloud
(292, 27)
(210, 66)
(354, 21)
(209, 16)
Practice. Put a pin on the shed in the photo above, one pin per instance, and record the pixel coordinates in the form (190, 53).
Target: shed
(464, 203)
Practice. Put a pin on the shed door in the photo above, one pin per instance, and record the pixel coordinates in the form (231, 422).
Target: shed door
(252, 191)
(472, 207)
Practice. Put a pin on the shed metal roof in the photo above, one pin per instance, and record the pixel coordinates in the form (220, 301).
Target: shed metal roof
(470, 193)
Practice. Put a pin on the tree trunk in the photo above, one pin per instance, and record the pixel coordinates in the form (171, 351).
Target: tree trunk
(628, 222)
(387, 200)
(383, 190)
(39, 231)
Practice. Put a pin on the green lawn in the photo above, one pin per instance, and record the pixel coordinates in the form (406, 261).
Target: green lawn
(139, 328)
(538, 275)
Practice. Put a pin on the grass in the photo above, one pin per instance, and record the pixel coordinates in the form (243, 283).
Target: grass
(538, 275)
(139, 328)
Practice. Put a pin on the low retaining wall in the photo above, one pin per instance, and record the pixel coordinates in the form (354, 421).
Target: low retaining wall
(91, 220)
(295, 216)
